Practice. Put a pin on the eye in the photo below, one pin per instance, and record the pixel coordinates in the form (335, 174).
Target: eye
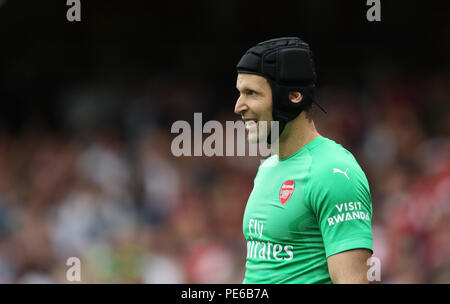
(250, 92)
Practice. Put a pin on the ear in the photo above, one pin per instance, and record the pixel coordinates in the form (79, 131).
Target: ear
(295, 96)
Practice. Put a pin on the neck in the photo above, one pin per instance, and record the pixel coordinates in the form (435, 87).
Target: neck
(297, 134)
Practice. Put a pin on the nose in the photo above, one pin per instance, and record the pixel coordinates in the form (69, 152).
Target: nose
(240, 106)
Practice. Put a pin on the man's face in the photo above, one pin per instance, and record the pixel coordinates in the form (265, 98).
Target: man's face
(254, 105)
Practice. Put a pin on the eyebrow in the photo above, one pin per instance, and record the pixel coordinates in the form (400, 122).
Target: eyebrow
(246, 88)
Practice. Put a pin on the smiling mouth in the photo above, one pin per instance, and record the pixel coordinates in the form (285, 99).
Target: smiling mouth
(250, 123)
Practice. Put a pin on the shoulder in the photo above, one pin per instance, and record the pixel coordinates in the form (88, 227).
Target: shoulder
(334, 170)
(330, 158)
(271, 161)
(335, 177)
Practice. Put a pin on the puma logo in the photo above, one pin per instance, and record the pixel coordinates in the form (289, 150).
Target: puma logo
(336, 170)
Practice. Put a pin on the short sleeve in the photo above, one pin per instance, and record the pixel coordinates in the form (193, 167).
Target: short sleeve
(340, 199)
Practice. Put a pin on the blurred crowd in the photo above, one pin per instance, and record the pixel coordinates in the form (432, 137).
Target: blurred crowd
(113, 195)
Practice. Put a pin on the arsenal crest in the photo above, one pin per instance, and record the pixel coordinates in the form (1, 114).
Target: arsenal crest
(287, 188)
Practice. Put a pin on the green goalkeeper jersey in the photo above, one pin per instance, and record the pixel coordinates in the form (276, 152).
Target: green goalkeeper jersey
(303, 209)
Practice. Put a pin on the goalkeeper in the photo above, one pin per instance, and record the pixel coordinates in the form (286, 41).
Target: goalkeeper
(308, 217)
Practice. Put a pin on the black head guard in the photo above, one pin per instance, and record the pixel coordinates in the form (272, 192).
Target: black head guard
(288, 66)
